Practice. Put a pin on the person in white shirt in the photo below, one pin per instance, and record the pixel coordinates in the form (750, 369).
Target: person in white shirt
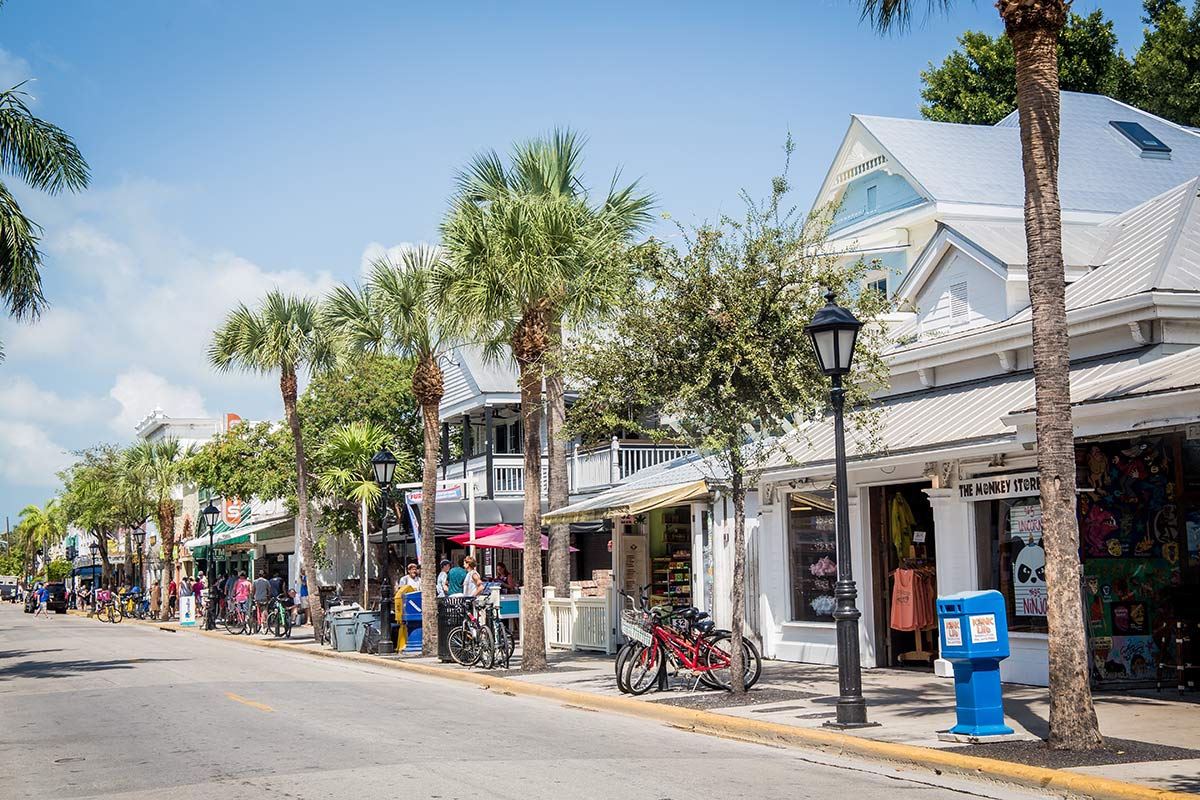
(443, 577)
(472, 584)
(412, 579)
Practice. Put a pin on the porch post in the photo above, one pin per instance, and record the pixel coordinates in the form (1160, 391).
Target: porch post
(466, 443)
(614, 472)
(487, 448)
(957, 554)
(445, 448)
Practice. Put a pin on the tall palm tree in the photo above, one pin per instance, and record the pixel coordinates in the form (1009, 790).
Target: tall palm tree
(284, 334)
(528, 253)
(1033, 26)
(44, 157)
(43, 527)
(395, 311)
(162, 463)
(347, 475)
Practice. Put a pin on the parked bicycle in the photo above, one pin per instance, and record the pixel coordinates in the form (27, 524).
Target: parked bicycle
(482, 639)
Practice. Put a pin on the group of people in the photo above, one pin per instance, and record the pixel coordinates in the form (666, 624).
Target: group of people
(461, 581)
(240, 590)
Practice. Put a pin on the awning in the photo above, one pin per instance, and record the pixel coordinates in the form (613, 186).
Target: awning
(234, 536)
(451, 517)
(622, 501)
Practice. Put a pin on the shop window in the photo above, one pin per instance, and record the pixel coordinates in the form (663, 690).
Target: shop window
(812, 551)
(1011, 559)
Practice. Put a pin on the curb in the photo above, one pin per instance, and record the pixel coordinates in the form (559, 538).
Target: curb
(773, 733)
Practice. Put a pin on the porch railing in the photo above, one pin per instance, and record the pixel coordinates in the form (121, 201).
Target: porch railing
(579, 623)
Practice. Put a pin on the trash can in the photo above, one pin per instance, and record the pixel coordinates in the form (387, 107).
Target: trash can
(342, 630)
(362, 620)
(974, 628)
(451, 611)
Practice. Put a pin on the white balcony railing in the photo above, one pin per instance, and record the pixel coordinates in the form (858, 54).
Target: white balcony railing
(588, 469)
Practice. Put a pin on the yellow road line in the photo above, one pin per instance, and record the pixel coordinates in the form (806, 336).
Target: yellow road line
(245, 702)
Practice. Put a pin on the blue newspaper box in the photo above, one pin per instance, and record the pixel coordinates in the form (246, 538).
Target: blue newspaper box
(410, 614)
(974, 633)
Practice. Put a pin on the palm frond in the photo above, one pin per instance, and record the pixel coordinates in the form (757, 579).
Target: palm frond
(896, 15)
(20, 260)
(39, 152)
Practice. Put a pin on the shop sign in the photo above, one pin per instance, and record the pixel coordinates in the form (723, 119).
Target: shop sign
(450, 493)
(983, 628)
(997, 487)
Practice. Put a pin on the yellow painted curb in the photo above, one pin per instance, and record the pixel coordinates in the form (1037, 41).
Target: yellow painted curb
(827, 741)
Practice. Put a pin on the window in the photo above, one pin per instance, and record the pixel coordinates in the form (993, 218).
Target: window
(813, 552)
(959, 308)
(878, 285)
(1146, 141)
(872, 197)
(1011, 559)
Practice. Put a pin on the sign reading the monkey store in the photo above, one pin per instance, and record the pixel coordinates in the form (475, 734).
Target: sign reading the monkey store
(998, 487)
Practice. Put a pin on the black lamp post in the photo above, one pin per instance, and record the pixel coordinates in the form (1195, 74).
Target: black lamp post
(210, 514)
(833, 331)
(139, 536)
(95, 548)
(383, 464)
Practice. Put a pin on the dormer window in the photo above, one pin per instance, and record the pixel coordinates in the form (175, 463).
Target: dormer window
(1149, 144)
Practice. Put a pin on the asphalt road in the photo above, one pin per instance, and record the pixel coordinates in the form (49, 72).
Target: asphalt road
(128, 711)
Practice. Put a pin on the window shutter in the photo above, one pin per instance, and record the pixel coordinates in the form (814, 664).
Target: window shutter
(959, 307)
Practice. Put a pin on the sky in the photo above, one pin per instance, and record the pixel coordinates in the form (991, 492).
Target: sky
(236, 147)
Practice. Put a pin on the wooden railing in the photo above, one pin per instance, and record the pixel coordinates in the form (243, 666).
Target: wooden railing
(579, 623)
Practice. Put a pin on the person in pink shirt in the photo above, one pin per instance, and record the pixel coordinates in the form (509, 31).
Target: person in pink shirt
(241, 592)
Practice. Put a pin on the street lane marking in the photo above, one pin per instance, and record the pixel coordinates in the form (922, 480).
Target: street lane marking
(246, 702)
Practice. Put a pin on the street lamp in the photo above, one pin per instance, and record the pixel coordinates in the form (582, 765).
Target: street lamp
(833, 331)
(383, 464)
(211, 513)
(95, 548)
(139, 536)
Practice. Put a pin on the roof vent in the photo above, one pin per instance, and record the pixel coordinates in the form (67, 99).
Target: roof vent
(1150, 145)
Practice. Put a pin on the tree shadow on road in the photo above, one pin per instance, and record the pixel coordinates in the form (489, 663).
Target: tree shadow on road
(62, 669)
(7, 654)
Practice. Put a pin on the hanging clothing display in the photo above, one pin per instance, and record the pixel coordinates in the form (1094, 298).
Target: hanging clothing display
(913, 597)
(902, 522)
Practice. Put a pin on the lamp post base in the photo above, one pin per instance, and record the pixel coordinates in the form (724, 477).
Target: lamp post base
(851, 713)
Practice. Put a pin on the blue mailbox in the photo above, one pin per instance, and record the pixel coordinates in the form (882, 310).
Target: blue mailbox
(974, 628)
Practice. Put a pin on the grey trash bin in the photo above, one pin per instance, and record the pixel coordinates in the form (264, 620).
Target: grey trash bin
(364, 619)
(343, 634)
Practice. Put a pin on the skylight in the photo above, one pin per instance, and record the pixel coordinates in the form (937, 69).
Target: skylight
(1146, 141)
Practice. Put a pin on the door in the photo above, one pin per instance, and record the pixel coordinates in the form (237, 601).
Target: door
(903, 541)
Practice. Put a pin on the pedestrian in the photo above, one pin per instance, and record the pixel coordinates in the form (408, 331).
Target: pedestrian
(454, 580)
(412, 579)
(43, 597)
(155, 599)
(198, 593)
(262, 594)
(172, 598)
(276, 585)
(241, 593)
(303, 613)
(443, 574)
(230, 588)
(472, 583)
(292, 602)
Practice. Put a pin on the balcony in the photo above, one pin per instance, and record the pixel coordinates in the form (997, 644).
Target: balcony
(588, 470)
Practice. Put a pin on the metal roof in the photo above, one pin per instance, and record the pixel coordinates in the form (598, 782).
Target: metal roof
(962, 414)
(1170, 374)
(1005, 239)
(1099, 169)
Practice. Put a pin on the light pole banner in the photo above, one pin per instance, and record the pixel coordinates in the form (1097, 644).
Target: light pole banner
(187, 611)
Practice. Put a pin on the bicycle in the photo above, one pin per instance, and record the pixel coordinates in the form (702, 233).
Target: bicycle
(278, 620)
(468, 642)
(235, 618)
(501, 641)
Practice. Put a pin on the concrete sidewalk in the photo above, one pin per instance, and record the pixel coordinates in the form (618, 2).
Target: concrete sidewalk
(911, 706)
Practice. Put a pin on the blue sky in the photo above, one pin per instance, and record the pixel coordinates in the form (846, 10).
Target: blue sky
(239, 146)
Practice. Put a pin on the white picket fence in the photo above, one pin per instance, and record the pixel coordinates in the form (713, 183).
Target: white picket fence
(579, 623)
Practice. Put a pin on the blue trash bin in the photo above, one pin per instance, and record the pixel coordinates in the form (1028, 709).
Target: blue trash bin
(974, 628)
(410, 616)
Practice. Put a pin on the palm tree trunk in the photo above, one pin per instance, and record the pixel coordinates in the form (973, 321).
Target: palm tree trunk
(429, 567)
(1034, 29)
(737, 593)
(557, 492)
(166, 529)
(128, 567)
(287, 387)
(533, 625)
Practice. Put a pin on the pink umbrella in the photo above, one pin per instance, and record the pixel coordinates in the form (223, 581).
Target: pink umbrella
(465, 538)
(513, 539)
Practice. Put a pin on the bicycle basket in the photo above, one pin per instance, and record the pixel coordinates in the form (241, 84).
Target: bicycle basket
(634, 626)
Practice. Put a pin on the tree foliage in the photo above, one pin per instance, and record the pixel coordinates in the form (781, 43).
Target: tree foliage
(1166, 69)
(977, 83)
(249, 460)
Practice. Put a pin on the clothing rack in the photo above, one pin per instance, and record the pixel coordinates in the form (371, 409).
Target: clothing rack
(921, 653)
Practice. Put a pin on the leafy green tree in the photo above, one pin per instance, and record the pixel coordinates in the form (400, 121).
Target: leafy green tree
(57, 570)
(42, 528)
(1166, 68)
(714, 335)
(284, 334)
(396, 312)
(249, 460)
(43, 156)
(977, 83)
(1034, 27)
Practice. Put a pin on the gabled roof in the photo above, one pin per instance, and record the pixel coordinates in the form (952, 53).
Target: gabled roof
(470, 376)
(1100, 170)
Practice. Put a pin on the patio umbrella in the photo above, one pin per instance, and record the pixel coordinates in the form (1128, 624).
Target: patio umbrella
(507, 540)
(465, 538)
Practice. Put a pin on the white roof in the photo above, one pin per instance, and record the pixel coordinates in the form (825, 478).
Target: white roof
(1099, 171)
(1170, 374)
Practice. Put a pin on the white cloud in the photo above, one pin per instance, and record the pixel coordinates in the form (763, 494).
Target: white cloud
(140, 391)
(13, 70)
(22, 399)
(30, 457)
(375, 251)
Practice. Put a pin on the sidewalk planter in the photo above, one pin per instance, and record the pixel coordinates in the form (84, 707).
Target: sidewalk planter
(974, 628)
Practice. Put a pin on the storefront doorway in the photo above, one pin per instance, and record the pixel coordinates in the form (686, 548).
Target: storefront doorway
(904, 561)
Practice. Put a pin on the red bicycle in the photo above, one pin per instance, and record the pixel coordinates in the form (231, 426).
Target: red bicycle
(663, 637)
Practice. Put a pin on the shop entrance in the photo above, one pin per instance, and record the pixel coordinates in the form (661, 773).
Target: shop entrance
(904, 581)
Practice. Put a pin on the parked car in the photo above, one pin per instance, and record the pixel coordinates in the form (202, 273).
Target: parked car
(8, 588)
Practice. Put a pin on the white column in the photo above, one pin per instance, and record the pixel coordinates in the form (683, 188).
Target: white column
(860, 555)
(957, 558)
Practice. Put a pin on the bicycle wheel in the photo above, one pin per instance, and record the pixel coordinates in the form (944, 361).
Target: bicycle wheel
(642, 668)
(233, 622)
(285, 621)
(623, 655)
(504, 644)
(717, 653)
(487, 649)
(114, 614)
(464, 647)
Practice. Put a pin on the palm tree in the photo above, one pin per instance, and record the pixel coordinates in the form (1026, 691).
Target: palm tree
(44, 157)
(395, 311)
(43, 528)
(284, 334)
(348, 475)
(528, 252)
(1033, 28)
(162, 463)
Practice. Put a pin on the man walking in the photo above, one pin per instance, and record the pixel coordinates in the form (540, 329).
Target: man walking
(43, 597)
